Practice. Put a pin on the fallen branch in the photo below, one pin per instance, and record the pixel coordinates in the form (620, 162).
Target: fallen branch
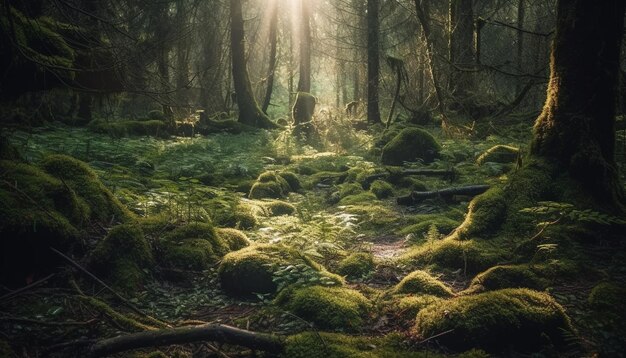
(417, 196)
(208, 332)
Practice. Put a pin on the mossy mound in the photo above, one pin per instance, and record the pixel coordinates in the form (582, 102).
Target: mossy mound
(499, 154)
(55, 207)
(507, 276)
(486, 214)
(364, 197)
(292, 179)
(410, 145)
(453, 254)
(421, 282)
(409, 306)
(235, 239)
(103, 205)
(126, 128)
(279, 208)
(348, 189)
(123, 258)
(194, 247)
(327, 307)
(496, 321)
(334, 345)
(270, 185)
(251, 270)
(356, 265)
(381, 189)
(607, 296)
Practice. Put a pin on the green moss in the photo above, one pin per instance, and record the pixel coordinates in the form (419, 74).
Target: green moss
(453, 254)
(407, 307)
(269, 185)
(496, 321)
(278, 208)
(507, 276)
(251, 270)
(235, 239)
(364, 197)
(103, 205)
(123, 258)
(381, 189)
(125, 128)
(291, 179)
(125, 322)
(487, 213)
(411, 183)
(356, 265)
(409, 145)
(333, 345)
(328, 307)
(194, 246)
(349, 189)
(607, 296)
(422, 282)
(499, 154)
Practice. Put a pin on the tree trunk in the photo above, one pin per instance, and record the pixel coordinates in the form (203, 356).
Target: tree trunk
(212, 61)
(373, 62)
(520, 41)
(182, 55)
(249, 111)
(577, 126)
(304, 81)
(461, 47)
(272, 62)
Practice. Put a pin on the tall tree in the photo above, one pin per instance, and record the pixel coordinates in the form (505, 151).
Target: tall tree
(304, 81)
(373, 61)
(461, 48)
(249, 111)
(271, 69)
(577, 126)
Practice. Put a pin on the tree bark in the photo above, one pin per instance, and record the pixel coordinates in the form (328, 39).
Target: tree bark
(208, 332)
(304, 81)
(249, 111)
(577, 126)
(273, 38)
(373, 62)
(461, 47)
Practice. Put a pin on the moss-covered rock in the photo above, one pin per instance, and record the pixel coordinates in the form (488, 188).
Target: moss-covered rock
(496, 321)
(347, 189)
(499, 154)
(278, 208)
(607, 296)
(195, 247)
(381, 189)
(356, 265)
(235, 239)
(123, 258)
(409, 306)
(409, 145)
(421, 282)
(487, 212)
(251, 270)
(269, 185)
(507, 276)
(291, 179)
(327, 307)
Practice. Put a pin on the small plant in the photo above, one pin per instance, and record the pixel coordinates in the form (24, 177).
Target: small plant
(299, 275)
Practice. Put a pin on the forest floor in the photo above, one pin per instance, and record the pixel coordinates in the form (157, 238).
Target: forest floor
(202, 179)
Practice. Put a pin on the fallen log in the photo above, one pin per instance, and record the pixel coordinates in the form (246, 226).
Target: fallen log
(417, 196)
(206, 332)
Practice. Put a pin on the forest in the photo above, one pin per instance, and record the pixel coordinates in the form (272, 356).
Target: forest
(312, 178)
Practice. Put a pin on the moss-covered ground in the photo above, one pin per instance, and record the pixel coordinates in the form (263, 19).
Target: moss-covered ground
(264, 233)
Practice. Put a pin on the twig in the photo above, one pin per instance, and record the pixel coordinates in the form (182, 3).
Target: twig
(25, 288)
(435, 336)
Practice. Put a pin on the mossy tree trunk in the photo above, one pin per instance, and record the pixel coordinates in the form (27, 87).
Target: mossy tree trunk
(249, 111)
(577, 126)
(373, 61)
